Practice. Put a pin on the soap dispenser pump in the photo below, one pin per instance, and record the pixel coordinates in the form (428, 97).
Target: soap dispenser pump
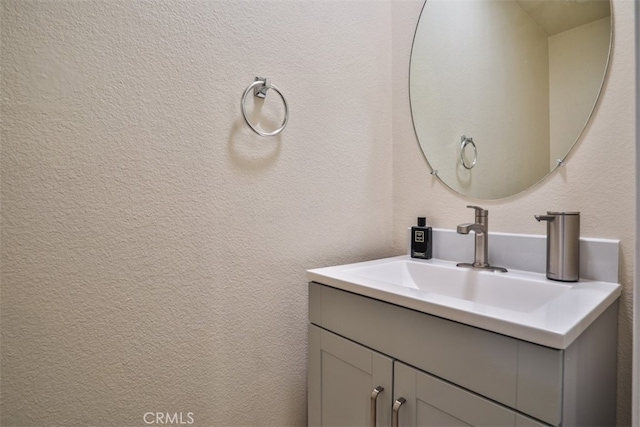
(421, 240)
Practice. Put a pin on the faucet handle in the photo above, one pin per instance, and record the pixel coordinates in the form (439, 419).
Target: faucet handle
(479, 211)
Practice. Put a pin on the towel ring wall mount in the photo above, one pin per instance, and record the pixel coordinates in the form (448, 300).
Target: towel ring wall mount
(260, 87)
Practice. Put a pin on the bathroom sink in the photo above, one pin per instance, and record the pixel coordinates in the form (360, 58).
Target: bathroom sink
(512, 292)
(520, 304)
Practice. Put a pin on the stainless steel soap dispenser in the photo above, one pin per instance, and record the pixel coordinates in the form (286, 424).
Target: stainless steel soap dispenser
(563, 245)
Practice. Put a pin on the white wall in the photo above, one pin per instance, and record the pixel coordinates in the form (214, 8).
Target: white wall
(153, 248)
(598, 179)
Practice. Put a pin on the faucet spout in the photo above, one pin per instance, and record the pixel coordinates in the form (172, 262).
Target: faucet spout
(469, 227)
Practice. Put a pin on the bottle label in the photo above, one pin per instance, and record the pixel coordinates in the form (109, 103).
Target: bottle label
(418, 236)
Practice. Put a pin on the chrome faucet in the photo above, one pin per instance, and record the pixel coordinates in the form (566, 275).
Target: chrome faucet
(481, 230)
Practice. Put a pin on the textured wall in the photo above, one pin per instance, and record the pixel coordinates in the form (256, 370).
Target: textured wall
(153, 248)
(598, 179)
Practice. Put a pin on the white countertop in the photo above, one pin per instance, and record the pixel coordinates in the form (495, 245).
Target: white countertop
(535, 309)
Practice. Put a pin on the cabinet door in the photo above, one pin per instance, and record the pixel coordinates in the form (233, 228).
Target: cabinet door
(431, 402)
(341, 383)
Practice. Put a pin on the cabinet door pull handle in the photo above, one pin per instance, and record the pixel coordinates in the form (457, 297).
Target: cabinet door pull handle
(396, 408)
(374, 399)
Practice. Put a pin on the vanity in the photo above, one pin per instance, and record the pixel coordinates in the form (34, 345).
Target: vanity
(404, 342)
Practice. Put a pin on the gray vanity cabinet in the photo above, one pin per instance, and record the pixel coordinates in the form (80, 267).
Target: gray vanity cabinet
(351, 385)
(448, 373)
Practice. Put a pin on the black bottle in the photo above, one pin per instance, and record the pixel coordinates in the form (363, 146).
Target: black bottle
(421, 241)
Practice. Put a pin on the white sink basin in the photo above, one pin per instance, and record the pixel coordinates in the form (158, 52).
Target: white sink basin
(520, 304)
(511, 292)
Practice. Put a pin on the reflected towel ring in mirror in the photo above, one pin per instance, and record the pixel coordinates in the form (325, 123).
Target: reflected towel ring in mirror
(464, 141)
(260, 87)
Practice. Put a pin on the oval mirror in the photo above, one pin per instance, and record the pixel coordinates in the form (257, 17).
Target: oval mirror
(501, 90)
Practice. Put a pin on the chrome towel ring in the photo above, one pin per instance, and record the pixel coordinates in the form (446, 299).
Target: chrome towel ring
(464, 141)
(260, 87)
